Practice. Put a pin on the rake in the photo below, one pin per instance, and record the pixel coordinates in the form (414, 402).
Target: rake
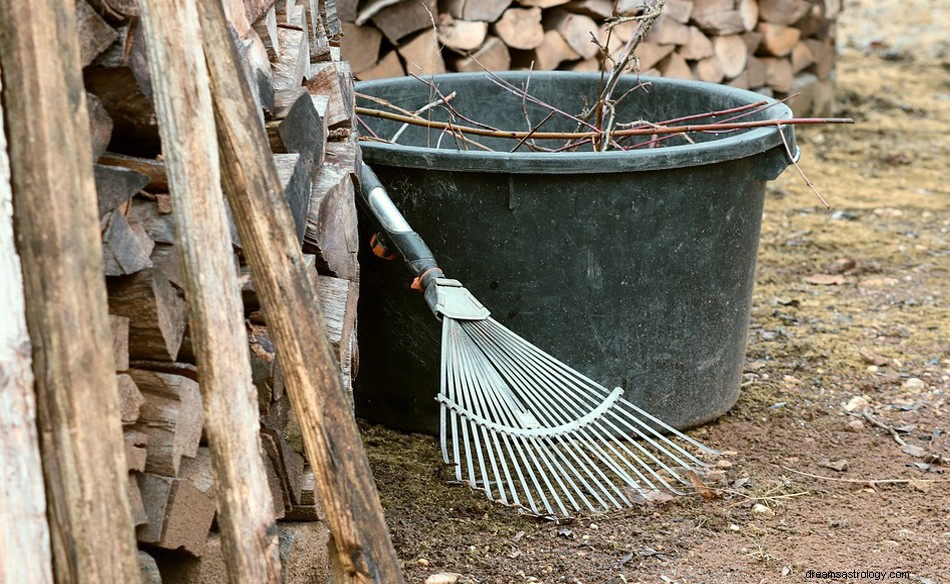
(517, 423)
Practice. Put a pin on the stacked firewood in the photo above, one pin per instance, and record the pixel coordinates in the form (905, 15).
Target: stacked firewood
(775, 47)
(305, 92)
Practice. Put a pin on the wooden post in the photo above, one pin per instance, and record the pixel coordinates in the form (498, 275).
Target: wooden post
(182, 97)
(24, 534)
(57, 230)
(364, 551)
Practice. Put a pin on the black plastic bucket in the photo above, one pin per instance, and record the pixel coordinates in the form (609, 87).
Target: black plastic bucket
(635, 267)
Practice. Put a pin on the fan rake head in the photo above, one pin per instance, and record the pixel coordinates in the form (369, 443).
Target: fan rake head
(536, 434)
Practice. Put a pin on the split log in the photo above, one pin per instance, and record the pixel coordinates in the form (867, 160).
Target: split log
(749, 12)
(338, 300)
(777, 40)
(675, 67)
(697, 47)
(801, 57)
(783, 12)
(24, 533)
(360, 46)
(825, 56)
(576, 30)
(295, 181)
(492, 56)
(404, 18)
(55, 211)
(100, 126)
(125, 246)
(156, 311)
(130, 399)
(709, 70)
(718, 17)
(293, 67)
(136, 504)
(755, 72)
(667, 31)
(257, 68)
(266, 28)
(460, 35)
(170, 416)
(151, 168)
(778, 73)
(484, 10)
(330, 234)
(596, 9)
(119, 78)
(302, 129)
(678, 10)
(422, 54)
(179, 510)
(319, 39)
(119, 326)
(326, 80)
(752, 41)
(95, 34)
(136, 449)
(520, 28)
(388, 65)
(649, 53)
(731, 53)
(354, 514)
(116, 185)
(552, 51)
(543, 3)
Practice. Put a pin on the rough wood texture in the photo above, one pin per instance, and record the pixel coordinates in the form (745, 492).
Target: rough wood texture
(186, 122)
(576, 30)
(171, 417)
(777, 40)
(156, 311)
(325, 81)
(95, 34)
(130, 399)
(115, 185)
(404, 18)
(24, 533)
(387, 66)
(291, 305)
(125, 246)
(520, 28)
(303, 129)
(492, 56)
(485, 10)
(330, 235)
(57, 232)
(552, 51)
(295, 181)
(360, 46)
(422, 54)
(732, 55)
(459, 35)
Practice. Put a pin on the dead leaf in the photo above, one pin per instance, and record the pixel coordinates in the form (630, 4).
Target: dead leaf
(914, 450)
(825, 279)
(837, 465)
(701, 488)
(657, 496)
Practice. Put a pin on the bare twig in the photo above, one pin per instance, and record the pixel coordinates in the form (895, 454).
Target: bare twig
(427, 106)
(517, 135)
(865, 481)
(807, 180)
(532, 131)
(867, 416)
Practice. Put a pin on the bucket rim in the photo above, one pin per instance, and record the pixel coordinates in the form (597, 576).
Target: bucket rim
(731, 147)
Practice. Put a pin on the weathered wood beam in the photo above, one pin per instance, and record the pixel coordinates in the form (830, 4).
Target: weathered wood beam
(186, 124)
(57, 229)
(364, 548)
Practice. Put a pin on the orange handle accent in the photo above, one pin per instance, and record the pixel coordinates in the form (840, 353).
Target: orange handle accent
(417, 282)
(380, 250)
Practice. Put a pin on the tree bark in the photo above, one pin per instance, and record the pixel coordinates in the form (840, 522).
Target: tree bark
(24, 534)
(57, 230)
(291, 307)
(186, 123)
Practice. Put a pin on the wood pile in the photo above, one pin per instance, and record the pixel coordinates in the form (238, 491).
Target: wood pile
(304, 89)
(775, 47)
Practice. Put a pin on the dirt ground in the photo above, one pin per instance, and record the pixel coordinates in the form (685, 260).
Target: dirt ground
(841, 432)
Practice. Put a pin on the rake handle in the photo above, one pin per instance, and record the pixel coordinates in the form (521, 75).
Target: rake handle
(408, 243)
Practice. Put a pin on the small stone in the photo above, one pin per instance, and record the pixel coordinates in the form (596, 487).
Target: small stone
(443, 578)
(734, 527)
(762, 509)
(855, 425)
(871, 358)
(836, 465)
(723, 464)
(913, 384)
(856, 402)
(422, 562)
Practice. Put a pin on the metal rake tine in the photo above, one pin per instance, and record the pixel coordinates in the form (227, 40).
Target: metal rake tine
(671, 430)
(577, 451)
(619, 414)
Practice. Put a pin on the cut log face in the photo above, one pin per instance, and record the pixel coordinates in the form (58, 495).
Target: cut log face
(484, 10)
(404, 18)
(783, 12)
(360, 46)
(668, 31)
(697, 47)
(576, 30)
(731, 52)
(492, 56)
(520, 28)
(388, 65)
(115, 185)
(125, 246)
(461, 35)
(156, 311)
(422, 54)
(778, 40)
(678, 10)
(95, 34)
(676, 67)
(171, 416)
(552, 51)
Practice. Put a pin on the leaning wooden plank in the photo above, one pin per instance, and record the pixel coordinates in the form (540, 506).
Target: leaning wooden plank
(186, 122)
(354, 514)
(54, 200)
(24, 533)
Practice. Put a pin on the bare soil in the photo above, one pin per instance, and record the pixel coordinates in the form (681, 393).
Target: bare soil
(841, 432)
